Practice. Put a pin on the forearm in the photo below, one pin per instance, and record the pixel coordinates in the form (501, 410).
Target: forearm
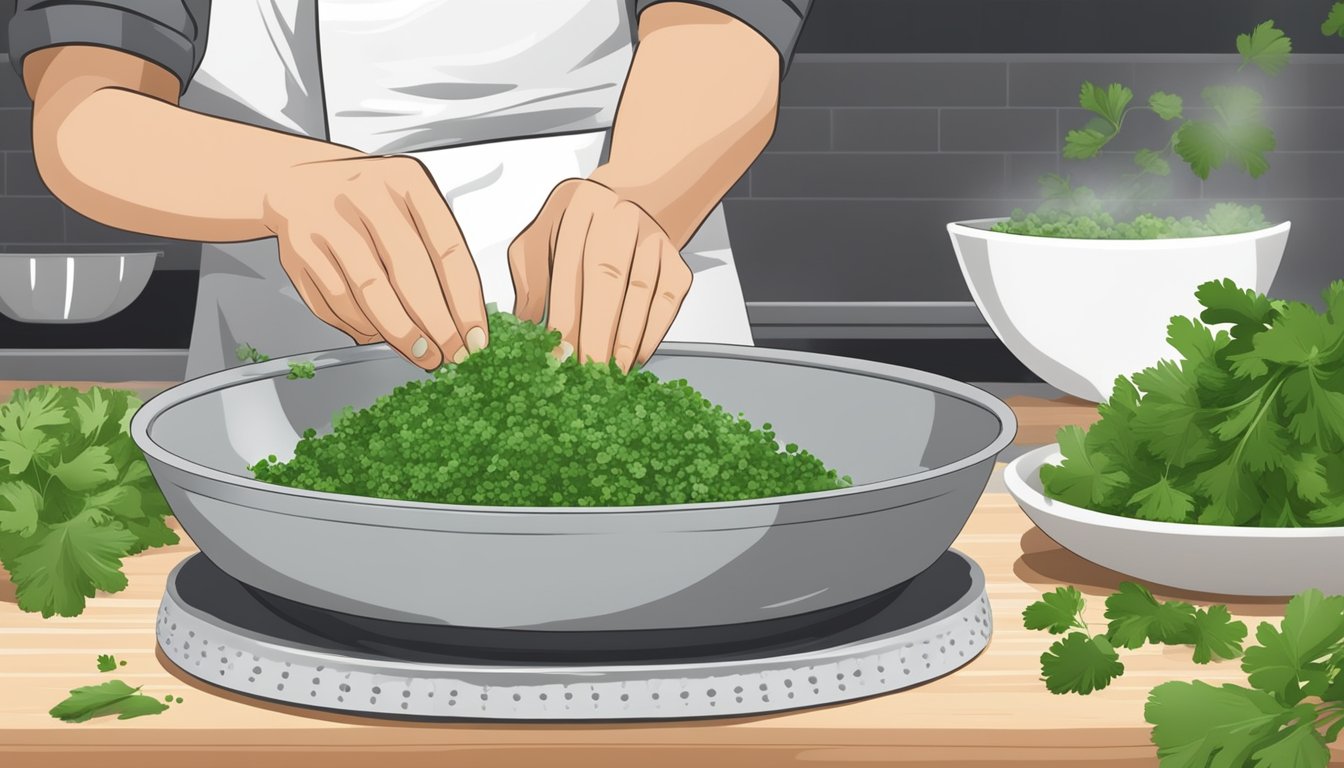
(141, 163)
(699, 106)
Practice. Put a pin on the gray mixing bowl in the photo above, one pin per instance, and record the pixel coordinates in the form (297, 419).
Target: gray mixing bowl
(71, 287)
(919, 447)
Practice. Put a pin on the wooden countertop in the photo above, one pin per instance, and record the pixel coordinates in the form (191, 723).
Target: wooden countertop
(995, 711)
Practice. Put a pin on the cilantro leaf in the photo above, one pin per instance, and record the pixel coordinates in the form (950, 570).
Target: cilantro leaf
(1332, 514)
(106, 663)
(1224, 302)
(1334, 23)
(1080, 664)
(1137, 617)
(1162, 501)
(89, 468)
(1298, 746)
(1195, 722)
(1083, 478)
(91, 411)
(1168, 106)
(1216, 635)
(1286, 663)
(1152, 162)
(20, 507)
(68, 563)
(1266, 47)
(1056, 611)
(1083, 144)
(111, 698)
(1108, 103)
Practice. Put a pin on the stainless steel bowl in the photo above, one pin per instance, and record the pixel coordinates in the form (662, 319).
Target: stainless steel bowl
(71, 287)
(919, 447)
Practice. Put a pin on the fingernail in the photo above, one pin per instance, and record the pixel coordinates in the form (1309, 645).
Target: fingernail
(420, 347)
(563, 352)
(475, 340)
(624, 357)
(460, 355)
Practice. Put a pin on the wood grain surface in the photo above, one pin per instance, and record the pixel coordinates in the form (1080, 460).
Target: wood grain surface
(995, 711)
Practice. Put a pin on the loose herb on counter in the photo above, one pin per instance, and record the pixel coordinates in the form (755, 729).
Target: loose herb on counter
(1292, 709)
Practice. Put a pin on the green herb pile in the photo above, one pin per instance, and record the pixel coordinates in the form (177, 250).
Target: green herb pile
(1287, 715)
(513, 426)
(1246, 429)
(75, 496)
(1098, 224)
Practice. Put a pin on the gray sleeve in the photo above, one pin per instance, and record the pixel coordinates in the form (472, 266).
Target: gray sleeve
(778, 21)
(170, 33)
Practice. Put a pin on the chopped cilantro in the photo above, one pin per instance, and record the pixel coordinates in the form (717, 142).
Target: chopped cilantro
(487, 431)
(107, 663)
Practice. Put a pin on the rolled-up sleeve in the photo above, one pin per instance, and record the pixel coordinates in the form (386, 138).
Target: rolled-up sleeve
(170, 33)
(778, 21)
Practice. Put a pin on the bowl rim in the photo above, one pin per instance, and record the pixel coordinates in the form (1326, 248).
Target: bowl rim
(978, 228)
(150, 411)
(15, 255)
(1017, 472)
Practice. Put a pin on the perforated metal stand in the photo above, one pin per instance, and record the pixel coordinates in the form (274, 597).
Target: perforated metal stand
(216, 629)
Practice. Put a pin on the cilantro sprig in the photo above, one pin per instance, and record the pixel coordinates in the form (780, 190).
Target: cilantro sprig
(1247, 428)
(1287, 715)
(76, 496)
(1082, 661)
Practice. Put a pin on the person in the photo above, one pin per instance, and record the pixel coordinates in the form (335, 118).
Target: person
(364, 170)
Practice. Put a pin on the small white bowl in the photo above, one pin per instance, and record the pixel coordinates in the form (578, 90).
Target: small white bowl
(1216, 559)
(71, 287)
(1079, 313)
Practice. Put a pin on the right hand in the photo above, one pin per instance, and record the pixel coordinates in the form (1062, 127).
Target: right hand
(373, 250)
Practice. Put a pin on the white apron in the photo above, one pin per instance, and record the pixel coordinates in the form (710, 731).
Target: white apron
(501, 100)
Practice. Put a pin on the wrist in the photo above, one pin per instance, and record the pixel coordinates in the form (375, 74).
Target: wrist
(648, 194)
(287, 182)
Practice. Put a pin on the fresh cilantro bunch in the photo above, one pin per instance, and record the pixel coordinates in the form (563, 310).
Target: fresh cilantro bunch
(75, 496)
(1247, 428)
(1082, 662)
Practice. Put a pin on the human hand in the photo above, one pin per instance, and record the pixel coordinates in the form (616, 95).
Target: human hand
(373, 250)
(602, 271)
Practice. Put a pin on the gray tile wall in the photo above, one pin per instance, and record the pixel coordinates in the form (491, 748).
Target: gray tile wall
(854, 208)
(874, 154)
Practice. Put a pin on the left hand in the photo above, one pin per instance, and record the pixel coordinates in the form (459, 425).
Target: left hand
(614, 281)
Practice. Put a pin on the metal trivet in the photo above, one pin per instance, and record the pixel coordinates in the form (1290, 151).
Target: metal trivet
(217, 630)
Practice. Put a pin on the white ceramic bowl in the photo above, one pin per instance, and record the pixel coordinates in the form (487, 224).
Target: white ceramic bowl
(1079, 313)
(71, 287)
(1215, 559)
